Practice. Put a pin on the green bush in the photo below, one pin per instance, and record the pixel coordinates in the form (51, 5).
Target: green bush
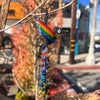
(21, 96)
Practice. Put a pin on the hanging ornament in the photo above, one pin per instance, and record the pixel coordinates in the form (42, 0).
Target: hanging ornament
(50, 38)
(47, 32)
(38, 26)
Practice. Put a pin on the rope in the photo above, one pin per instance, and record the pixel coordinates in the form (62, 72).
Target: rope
(38, 14)
(24, 17)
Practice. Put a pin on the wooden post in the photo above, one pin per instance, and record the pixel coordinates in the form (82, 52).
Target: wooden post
(72, 33)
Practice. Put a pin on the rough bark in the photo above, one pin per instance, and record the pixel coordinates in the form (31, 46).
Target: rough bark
(3, 17)
(59, 43)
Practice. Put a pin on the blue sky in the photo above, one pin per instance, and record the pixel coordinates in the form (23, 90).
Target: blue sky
(85, 3)
(97, 19)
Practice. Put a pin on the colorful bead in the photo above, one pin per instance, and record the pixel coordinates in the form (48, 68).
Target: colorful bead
(42, 89)
(42, 77)
(47, 67)
(43, 72)
(44, 80)
(41, 84)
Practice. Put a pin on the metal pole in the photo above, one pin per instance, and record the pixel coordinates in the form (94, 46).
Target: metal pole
(90, 60)
(72, 33)
(77, 30)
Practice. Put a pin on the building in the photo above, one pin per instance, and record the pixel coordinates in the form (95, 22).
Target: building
(82, 30)
(97, 36)
(14, 14)
(82, 27)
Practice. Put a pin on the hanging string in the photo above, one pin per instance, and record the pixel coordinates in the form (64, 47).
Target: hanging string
(38, 14)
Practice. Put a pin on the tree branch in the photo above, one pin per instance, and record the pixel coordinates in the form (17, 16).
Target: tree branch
(19, 86)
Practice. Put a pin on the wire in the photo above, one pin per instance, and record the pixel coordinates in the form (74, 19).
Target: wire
(24, 17)
(48, 12)
(38, 14)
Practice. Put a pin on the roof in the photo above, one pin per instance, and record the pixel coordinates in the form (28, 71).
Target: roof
(15, 10)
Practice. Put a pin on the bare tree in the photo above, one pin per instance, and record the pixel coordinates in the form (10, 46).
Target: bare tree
(3, 17)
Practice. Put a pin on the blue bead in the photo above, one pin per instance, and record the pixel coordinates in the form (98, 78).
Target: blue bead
(43, 72)
(47, 67)
(44, 80)
(42, 77)
(41, 84)
(42, 89)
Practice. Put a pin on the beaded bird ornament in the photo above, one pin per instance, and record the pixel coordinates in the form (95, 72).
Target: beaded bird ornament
(50, 38)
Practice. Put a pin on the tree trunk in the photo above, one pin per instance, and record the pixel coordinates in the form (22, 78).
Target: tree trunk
(60, 36)
(3, 17)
